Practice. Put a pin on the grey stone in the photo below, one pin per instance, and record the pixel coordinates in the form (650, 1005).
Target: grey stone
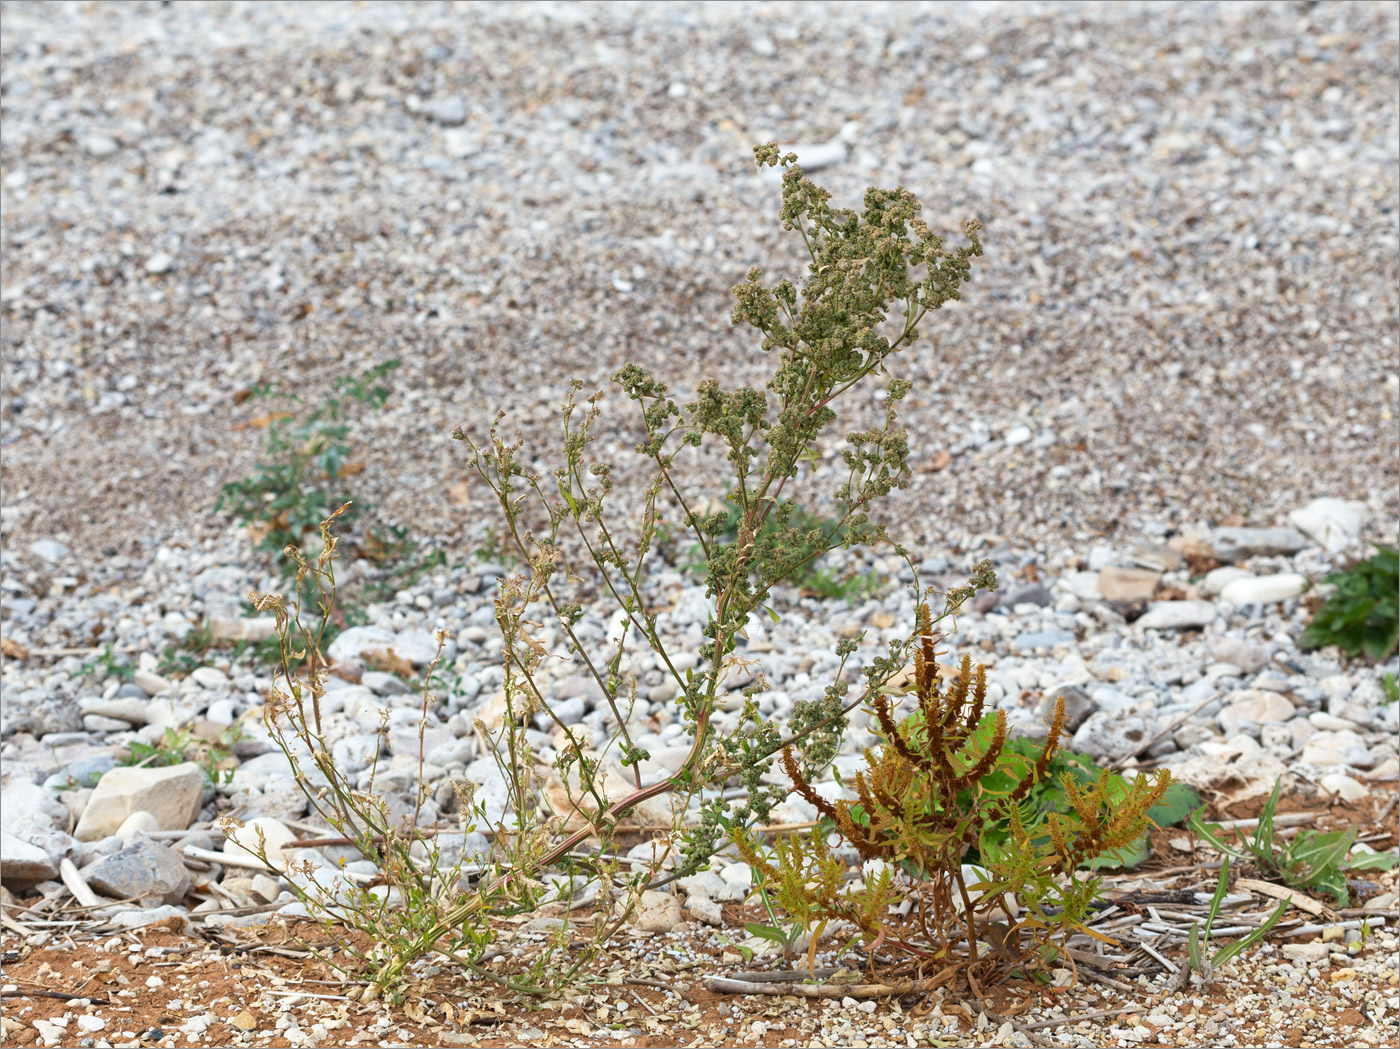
(356, 752)
(39, 712)
(491, 791)
(1249, 656)
(159, 263)
(1178, 615)
(1239, 544)
(450, 111)
(706, 885)
(420, 648)
(1030, 641)
(349, 644)
(97, 723)
(579, 686)
(278, 799)
(705, 910)
(1031, 594)
(384, 684)
(1111, 737)
(148, 872)
(457, 751)
(49, 549)
(1111, 700)
(127, 918)
(23, 864)
(566, 711)
(404, 739)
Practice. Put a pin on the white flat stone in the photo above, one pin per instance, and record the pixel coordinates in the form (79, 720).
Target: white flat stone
(1264, 589)
(1178, 615)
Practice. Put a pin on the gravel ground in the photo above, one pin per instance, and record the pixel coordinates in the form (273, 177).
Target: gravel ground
(1188, 296)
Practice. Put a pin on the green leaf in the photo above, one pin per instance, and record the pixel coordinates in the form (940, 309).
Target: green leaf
(568, 497)
(1126, 858)
(1176, 805)
(1370, 861)
(1318, 852)
(1228, 953)
(772, 614)
(1334, 883)
(766, 932)
(1213, 833)
(1221, 888)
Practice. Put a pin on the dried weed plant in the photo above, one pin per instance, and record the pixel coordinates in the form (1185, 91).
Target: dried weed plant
(873, 276)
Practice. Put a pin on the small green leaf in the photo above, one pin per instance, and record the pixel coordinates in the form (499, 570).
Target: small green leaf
(568, 497)
(1370, 861)
(765, 932)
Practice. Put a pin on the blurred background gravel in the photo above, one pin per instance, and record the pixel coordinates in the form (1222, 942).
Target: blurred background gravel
(1186, 311)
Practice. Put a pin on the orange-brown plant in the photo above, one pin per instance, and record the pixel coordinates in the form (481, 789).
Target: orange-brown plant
(939, 783)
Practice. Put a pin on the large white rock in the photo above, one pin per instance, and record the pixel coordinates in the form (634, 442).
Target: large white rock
(1234, 770)
(658, 911)
(23, 864)
(1256, 706)
(242, 842)
(1338, 748)
(350, 643)
(172, 795)
(1178, 615)
(1333, 523)
(1343, 786)
(1264, 590)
